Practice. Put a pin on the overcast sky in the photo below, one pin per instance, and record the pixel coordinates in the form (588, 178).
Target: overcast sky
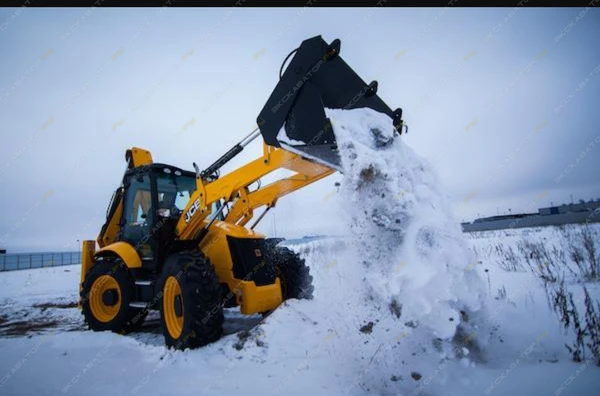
(501, 101)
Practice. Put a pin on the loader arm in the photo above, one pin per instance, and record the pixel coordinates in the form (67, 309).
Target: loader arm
(241, 212)
(233, 188)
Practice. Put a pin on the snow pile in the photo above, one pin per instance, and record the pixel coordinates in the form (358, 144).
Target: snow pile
(408, 261)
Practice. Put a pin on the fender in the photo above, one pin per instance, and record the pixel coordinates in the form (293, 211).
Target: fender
(125, 251)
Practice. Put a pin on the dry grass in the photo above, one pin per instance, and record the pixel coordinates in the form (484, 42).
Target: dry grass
(574, 260)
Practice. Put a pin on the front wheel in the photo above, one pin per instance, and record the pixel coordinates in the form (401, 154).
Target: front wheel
(191, 308)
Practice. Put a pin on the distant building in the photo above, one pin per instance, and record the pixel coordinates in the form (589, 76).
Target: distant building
(582, 212)
(570, 208)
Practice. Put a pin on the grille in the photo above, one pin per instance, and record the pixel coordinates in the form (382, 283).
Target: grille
(249, 261)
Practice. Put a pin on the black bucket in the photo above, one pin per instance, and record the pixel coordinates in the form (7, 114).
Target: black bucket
(317, 78)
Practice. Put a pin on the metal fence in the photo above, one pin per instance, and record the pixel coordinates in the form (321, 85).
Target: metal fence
(10, 262)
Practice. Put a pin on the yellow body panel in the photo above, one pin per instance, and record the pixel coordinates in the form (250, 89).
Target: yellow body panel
(125, 251)
(112, 230)
(249, 297)
(88, 248)
(260, 298)
(140, 157)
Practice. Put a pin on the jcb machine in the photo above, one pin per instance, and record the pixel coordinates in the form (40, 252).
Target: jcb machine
(179, 241)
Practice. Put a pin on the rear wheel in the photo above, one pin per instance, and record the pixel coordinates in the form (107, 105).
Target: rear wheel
(191, 308)
(105, 296)
(293, 273)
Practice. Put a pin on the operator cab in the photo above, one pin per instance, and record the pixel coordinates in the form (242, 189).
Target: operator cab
(154, 197)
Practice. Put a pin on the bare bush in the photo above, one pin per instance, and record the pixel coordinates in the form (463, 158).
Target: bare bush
(592, 318)
(577, 255)
(587, 333)
(502, 295)
(509, 260)
(590, 250)
(546, 264)
(582, 250)
(563, 305)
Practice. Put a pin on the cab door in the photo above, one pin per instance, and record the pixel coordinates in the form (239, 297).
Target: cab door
(138, 215)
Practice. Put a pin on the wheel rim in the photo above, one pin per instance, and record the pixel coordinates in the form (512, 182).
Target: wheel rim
(102, 310)
(173, 307)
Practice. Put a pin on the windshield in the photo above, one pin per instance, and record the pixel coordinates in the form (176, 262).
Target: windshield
(174, 190)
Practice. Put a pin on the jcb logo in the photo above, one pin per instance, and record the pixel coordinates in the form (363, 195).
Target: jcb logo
(190, 213)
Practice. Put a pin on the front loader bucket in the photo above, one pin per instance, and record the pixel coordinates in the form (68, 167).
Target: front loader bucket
(316, 78)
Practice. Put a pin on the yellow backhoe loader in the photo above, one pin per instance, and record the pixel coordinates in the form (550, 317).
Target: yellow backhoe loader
(178, 241)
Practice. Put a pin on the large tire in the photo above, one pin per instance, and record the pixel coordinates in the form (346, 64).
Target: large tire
(293, 273)
(191, 306)
(107, 290)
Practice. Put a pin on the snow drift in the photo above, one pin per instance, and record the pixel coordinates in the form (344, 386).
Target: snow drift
(411, 246)
(407, 299)
(397, 304)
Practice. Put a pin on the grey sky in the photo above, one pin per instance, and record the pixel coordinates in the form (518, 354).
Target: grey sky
(481, 90)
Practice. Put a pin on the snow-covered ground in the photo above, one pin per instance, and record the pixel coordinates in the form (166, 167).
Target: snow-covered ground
(405, 305)
(314, 347)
